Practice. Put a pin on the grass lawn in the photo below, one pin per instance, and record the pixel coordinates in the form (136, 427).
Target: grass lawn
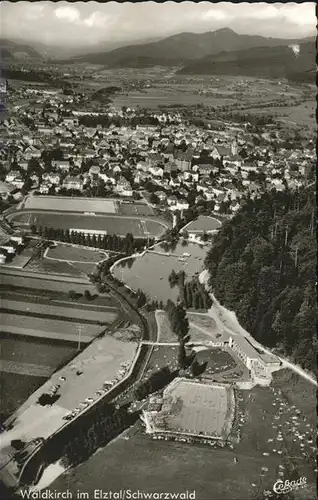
(203, 328)
(68, 253)
(203, 321)
(162, 356)
(135, 209)
(217, 360)
(160, 466)
(164, 328)
(43, 265)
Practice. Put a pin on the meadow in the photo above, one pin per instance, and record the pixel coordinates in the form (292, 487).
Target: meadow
(49, 309)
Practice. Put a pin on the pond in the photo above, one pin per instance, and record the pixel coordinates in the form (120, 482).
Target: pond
(150, 272)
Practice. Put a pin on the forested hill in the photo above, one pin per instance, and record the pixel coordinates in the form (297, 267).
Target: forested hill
(263, 266)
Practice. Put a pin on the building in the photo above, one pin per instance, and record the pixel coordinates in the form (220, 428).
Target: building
(244, 350)
(73, 182)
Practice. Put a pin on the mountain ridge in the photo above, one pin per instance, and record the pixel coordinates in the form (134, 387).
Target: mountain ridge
(277, 62)
(181, 48)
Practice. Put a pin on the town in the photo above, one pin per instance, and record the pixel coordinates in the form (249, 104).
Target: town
(156, 264)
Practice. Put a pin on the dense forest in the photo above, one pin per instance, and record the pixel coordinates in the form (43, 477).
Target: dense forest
(263, 266)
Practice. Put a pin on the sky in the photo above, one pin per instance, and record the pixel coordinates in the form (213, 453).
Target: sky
(87, 24)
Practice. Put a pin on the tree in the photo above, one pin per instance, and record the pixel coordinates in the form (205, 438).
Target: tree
(87, 295)
(72, 295)
(185, 234)
(154, 199)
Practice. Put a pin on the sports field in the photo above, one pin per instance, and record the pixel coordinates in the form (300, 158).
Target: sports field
(197, 409)
(106, 316)
(48, 328)
(203, 223)
(135, 209)
(103, 224)
(65, 204)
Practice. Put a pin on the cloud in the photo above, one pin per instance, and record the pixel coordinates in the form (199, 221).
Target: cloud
(80, 23)
(302, 15)
(96, 20)
(216, 14)
(263, 12)
(70, 14)
(34, 12)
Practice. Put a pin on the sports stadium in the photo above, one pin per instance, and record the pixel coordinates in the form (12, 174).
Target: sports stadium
(89, 215)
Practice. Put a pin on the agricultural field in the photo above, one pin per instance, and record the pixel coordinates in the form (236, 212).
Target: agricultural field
(25, 363)
(45, 282)
(302, 115)
(106, 224)
(15, 388)
(195, 409)
(156, 97)
(48, 328)
(76, 313)
(65, 204)
(203, 223)
(35, 351)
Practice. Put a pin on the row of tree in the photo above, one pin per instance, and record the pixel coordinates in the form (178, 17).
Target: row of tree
(126, 245)
(180, 326)
(192, 293)
(156, 381)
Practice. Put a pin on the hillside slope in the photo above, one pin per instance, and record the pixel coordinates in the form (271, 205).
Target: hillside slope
(17, 51)
(180, 48)
(263, 266)
(267, 62)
